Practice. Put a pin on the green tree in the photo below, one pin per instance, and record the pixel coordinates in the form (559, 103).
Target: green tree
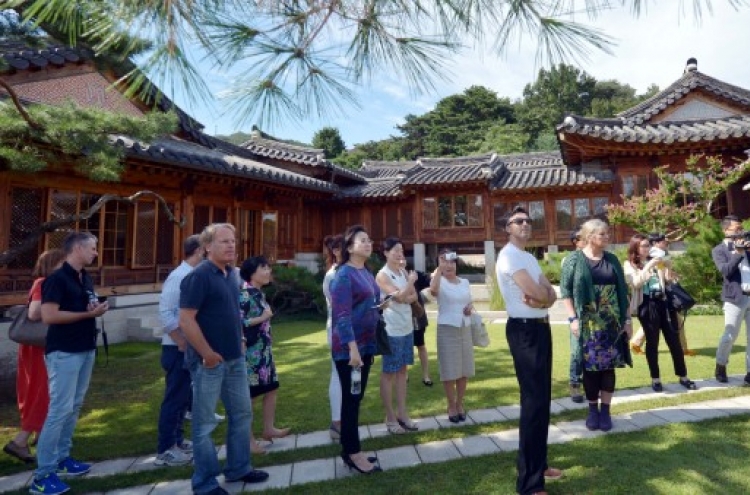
(306, 55)
(329, 140)
(696, 268)
(559, 90)
(612, 97)
(504, 139)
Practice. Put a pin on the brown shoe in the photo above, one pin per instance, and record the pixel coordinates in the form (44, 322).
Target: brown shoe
(553, 474)
(22, 453)
(721, 373)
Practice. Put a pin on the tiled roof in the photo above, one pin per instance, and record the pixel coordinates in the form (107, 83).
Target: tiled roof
(190, 155)
(666, 132)
(543, 170)
(373, 189)
(380, 169)
(689, 81)
(263, 145)
(20, 56)
(452, 170)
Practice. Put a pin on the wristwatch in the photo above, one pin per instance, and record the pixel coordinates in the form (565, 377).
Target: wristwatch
(571, 319)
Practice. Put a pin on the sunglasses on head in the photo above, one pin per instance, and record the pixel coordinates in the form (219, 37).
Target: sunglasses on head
(519, 221)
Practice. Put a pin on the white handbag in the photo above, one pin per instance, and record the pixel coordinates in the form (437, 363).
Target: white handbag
(479, 335)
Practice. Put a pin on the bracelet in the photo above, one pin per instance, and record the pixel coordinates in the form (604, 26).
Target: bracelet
(571, 319)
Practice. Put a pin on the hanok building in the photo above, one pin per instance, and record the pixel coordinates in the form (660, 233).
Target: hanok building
(283, 198)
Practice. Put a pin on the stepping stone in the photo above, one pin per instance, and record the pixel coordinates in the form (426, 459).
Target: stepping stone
(398, 457)
(556, 435)
(577, 430)
(736, 405)
(143, 464)
(506, 440)
(704, 411)
(643, 419)
(674, 414)
(111, 467)
(16, 481)
(510, 412)
(278, 477)
(444, 422)
(440, 451)
(364, 432)
(475, 445)
(313, 439)
(427, 424)
(566, 404)
(621, 424)
(172, 488)
(288, 442)
(481, 416)
(556, 407)
(135, 490)
(232, 488)
(315, 470)
(378, 430)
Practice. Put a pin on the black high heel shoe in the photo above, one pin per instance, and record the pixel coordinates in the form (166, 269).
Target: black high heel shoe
(350, 464)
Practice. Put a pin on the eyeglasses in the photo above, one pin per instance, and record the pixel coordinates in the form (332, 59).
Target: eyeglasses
(519, 221)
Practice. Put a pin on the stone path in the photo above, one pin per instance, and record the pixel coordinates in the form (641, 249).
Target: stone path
(286, 475)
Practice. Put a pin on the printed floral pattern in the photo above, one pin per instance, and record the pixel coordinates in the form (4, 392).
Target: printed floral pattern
(601, 334)
(261, 368)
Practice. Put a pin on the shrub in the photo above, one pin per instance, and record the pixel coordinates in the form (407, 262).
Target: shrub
(696, 268)
(295, 289)
(552, 266)
(497, 303)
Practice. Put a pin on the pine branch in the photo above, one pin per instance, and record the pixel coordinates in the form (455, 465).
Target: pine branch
(47, 227)
(19, 106)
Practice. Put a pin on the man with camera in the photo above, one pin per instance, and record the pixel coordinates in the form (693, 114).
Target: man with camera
(731, 259)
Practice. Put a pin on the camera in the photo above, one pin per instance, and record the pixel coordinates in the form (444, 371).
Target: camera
(741, 239)
(101, 299)
(451, 256)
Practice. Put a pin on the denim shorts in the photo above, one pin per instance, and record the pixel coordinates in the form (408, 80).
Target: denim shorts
(402, 353)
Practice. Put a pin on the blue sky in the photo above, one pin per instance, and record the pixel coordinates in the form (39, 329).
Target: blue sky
(650, 49)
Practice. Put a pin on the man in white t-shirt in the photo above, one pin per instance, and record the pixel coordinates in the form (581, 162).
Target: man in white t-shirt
(528, 294)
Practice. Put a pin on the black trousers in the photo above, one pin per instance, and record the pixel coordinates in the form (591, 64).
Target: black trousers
(350, 404)
(656, 317)
(531, 348)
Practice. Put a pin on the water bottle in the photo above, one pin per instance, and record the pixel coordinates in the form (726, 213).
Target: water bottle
(356, 381)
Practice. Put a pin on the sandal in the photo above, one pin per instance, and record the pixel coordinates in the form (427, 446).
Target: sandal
(256, 448)
(22, 453)
(408, 425)
(394, 428)
(427, 382)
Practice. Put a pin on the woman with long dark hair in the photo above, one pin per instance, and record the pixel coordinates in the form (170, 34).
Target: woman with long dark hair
(332, 245)
(354, 300)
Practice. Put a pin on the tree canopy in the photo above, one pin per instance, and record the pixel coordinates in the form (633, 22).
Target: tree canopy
(329, 140)
(305, 56)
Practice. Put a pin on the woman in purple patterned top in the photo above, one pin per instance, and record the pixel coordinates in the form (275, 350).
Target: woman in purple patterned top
(354, 296)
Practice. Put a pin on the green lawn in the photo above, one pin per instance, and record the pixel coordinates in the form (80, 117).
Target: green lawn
(120, 414)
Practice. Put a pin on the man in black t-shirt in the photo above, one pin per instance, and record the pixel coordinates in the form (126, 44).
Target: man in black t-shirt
(70, 308)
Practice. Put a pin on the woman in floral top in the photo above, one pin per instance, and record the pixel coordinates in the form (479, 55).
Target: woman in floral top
(595, 295)
(256, 327)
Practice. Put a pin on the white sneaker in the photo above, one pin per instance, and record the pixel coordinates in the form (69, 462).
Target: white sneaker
(218, 417)
(173, 457)
(189, 416)
(186, 446)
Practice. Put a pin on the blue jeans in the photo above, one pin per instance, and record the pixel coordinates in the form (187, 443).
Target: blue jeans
(69, 374)
(176, 397)
(227, 380)
(576, 367)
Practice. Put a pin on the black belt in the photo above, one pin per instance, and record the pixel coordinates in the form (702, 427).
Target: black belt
(543, 319)
(746, 292)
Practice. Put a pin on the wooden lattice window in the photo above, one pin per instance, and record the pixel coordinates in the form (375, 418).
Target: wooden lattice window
(62, 204)
(165, 237)
(474, 210)
(564, 214)
(248, 235)
(114, 236)
(201, 218)
(429, 213)
(25, 217)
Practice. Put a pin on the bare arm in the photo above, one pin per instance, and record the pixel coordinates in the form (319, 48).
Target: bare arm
(51, 314)
(531, 288)
(435, 282)
(194, 336)
(35, 310)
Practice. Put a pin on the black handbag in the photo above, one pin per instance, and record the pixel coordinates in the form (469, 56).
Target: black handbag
(381, 339)
(25, 331)
(678, 298)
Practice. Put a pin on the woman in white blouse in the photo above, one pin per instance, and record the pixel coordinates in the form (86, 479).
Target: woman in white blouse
(454, 345)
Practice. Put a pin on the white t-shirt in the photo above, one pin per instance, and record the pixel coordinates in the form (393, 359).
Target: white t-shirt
(509, 261)
(452, 299)
(397, 316)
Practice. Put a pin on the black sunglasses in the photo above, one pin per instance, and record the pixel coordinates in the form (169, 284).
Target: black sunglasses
(519, 221)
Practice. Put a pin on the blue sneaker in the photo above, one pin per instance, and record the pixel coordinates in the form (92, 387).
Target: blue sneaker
(49, 485)
(71, 467)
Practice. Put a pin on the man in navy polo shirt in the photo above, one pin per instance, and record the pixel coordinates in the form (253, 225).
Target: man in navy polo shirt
(210, 320)
(70, 308)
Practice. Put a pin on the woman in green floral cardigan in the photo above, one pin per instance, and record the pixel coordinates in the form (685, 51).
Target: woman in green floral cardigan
(595, 295)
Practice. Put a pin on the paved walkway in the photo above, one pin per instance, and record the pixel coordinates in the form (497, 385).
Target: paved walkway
(286, 475)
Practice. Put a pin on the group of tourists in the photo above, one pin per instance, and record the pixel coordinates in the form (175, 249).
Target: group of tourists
(217, 342)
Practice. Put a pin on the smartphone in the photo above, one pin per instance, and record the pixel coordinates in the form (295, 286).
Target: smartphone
(383, 302)
(102, 299)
